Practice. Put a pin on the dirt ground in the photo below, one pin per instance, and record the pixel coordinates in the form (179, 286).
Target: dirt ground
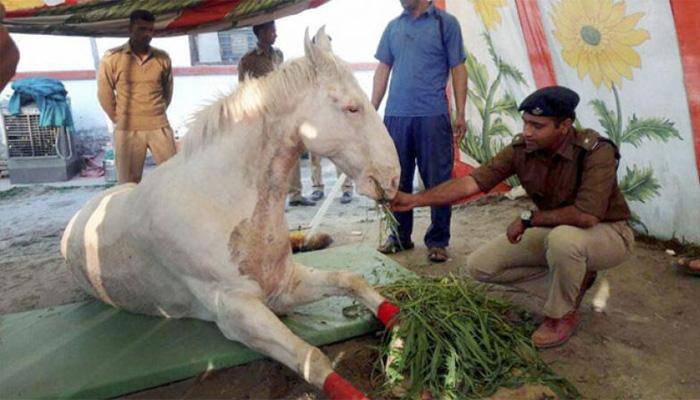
(644, 343)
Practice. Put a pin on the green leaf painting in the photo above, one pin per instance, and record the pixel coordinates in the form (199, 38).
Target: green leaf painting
(495, 106)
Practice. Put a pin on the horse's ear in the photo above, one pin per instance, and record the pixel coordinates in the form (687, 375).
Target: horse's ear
(316, 48)
(309, 48)
(322, 40)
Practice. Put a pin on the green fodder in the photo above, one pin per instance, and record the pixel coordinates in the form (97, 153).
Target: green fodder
(388, 225)
(457, 343)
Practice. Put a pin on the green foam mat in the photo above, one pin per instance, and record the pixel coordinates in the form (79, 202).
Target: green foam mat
(91, 350)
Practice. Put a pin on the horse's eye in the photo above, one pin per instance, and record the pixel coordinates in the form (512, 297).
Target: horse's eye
(352, 109)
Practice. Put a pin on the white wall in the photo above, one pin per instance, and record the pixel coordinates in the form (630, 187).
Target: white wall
(354, 25)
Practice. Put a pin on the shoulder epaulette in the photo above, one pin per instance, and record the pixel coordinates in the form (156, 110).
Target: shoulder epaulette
(588, 139)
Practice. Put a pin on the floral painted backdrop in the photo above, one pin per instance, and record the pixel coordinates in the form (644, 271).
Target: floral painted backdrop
(622, 57)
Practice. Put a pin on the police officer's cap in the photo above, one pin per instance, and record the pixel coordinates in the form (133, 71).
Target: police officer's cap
(551, 101)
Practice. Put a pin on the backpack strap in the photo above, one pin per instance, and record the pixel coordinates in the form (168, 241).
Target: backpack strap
(441, 27)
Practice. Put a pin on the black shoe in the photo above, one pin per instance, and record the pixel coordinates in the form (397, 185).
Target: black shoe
(317, 195)
(346, 198)
(301, 201)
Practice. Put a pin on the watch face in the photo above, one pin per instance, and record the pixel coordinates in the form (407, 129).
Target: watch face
(526, 215)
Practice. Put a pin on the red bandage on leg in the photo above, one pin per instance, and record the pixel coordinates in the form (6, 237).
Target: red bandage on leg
(386, 313)
(338, 388)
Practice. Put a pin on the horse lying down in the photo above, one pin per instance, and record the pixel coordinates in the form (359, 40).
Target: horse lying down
(205, 236)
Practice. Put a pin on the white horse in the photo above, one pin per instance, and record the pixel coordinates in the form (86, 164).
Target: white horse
(205, 236)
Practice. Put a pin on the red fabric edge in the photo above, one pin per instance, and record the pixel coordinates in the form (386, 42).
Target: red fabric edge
(536, 42)
(205, 12)
(685, 13)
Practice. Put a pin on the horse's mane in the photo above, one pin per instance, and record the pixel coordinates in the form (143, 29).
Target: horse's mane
(255, 98)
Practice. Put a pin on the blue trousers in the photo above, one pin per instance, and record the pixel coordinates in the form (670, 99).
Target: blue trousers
(427, 142)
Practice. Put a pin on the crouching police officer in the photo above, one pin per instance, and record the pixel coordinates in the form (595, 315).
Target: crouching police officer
(580, 223)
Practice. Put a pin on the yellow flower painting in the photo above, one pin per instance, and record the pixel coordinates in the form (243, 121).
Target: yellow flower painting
(488, 11)
(598, 39)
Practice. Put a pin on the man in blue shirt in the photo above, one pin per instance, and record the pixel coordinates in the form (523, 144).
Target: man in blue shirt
(420, 49)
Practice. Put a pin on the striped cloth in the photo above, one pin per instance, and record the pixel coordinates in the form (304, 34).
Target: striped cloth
(175, 17)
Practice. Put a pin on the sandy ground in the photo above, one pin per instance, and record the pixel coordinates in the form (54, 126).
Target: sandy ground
(644, 344)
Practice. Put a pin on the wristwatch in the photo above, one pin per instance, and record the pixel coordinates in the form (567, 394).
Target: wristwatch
(526, 218)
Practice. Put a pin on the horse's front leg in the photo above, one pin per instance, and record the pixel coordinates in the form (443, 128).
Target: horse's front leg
(310, 284)
(245, 318)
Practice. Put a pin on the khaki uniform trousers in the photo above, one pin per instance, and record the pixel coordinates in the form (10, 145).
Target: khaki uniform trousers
(130, 150)
(562, 255)
(317, 176)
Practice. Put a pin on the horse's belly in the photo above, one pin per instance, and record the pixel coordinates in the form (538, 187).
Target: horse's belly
(102, 253)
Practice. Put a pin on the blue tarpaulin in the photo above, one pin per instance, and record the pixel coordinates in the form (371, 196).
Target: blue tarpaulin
(50, 97)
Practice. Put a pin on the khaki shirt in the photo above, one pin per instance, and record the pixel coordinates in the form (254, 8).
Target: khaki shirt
(551, 181)
(258, 62)
(133, 92)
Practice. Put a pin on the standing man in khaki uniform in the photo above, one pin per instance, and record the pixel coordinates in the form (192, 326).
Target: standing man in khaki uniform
(135, 87)
(257, 63)
(579, 225)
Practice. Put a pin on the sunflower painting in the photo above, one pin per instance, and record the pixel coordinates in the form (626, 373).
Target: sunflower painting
(488, 11)
(598, 40)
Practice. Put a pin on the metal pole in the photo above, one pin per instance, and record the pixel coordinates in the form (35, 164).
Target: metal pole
(95, 54)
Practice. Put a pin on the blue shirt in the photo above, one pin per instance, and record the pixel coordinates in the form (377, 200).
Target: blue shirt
(421, 59)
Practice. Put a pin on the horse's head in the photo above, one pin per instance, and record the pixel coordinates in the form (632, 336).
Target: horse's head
(338, 121)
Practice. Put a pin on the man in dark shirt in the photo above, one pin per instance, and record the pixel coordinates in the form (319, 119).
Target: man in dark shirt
(579, 225)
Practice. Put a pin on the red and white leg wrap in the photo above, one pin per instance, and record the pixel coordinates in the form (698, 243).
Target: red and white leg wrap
(386, 312)
(337, 388)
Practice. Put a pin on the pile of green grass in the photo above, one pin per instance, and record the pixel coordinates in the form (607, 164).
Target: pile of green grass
(458, 343)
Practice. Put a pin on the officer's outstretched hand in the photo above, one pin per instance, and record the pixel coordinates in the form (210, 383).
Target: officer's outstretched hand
(402, 202)
(515, 231)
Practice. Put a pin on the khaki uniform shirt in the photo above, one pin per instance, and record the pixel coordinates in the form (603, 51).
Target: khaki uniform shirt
(551, 180)
(258, 62)
(135, 92)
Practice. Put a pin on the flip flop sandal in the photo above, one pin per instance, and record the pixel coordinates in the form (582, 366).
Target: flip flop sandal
(438, 254)
(683, 265)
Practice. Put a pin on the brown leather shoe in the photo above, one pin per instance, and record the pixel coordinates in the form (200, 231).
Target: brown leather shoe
(554, 332)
